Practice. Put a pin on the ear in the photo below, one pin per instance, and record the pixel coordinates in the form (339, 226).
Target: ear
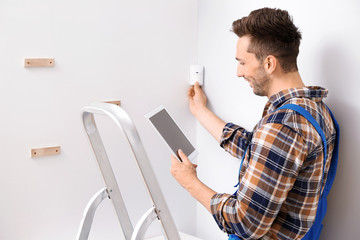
(270, 64)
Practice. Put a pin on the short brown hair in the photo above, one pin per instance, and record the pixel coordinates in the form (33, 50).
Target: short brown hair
(271, 32)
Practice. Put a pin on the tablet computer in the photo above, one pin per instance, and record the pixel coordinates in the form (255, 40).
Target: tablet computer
(170, 132)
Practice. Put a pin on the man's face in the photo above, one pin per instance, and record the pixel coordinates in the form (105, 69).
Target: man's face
(251, 69)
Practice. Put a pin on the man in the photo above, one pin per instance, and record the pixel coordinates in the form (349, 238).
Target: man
(282, 175)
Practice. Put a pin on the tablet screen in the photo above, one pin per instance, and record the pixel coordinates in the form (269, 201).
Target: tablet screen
(171, 133)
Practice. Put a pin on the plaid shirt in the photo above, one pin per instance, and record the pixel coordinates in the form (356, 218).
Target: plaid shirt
(280, 178)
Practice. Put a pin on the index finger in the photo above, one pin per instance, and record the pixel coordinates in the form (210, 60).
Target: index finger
(183, 157)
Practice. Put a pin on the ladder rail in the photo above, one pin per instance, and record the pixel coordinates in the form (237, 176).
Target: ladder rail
(123, 121)
(89, 213)
(108, 174)
(143, 224)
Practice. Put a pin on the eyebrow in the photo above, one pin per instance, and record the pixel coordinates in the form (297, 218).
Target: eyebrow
(238, 59)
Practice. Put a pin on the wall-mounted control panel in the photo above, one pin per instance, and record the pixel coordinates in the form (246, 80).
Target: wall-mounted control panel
(196, 74)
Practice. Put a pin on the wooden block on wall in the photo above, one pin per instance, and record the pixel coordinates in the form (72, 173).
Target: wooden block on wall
(47, 151)
(39, 62)
(116, 102)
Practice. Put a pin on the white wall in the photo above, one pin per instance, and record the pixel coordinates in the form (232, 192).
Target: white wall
(138, 52)
(329, 56)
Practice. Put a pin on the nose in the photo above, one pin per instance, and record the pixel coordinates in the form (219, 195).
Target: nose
(239, 72)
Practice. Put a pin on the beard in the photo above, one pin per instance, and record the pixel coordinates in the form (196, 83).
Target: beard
(261, 82)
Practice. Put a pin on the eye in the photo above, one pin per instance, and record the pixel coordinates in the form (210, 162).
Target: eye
(242, 63)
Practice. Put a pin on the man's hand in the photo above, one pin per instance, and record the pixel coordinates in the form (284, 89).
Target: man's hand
(184, 172)
(197, 99)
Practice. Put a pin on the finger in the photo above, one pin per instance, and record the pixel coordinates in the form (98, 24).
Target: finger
(173, 165)
(174, 160)
(183, 157)
(197, 87)
(191, 92)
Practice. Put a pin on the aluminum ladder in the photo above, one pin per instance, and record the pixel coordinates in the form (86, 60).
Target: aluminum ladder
(159, 210)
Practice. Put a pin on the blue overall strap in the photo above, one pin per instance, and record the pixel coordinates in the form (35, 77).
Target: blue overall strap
(315, 230)
(241, 163)
(233, 237)
(334, 160)
(316, 125)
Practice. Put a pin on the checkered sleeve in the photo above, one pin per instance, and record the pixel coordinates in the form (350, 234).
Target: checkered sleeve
(277, 153)
(234, 139)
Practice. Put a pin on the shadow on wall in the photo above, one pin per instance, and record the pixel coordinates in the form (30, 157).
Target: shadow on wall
(338, 74)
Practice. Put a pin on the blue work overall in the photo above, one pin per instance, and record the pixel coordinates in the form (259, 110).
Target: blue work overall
(315, 230)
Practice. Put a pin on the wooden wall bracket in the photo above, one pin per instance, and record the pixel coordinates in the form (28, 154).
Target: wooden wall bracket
(116, 102)
(39, 62)
(47, 151)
